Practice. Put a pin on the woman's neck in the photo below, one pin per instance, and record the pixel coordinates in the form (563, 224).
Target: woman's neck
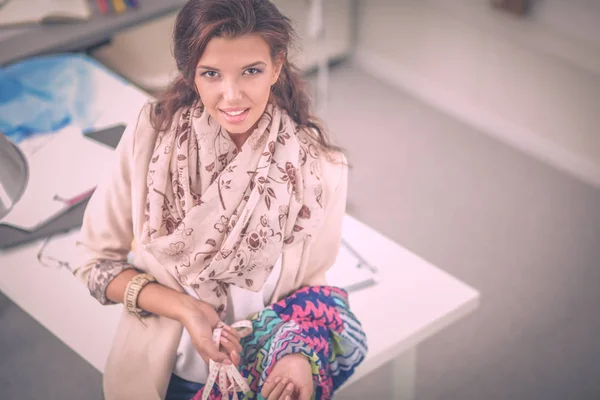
(240, 138)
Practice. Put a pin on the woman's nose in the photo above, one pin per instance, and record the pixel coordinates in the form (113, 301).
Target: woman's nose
(232, 92)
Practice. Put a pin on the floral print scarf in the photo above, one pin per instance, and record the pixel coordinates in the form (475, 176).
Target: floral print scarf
(218, 216)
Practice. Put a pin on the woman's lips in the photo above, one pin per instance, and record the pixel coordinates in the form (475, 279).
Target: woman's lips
(235, 115)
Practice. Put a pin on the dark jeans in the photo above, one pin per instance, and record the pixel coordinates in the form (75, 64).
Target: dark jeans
(180, 389)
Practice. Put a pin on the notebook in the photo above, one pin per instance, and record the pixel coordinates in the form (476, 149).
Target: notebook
(18, 12)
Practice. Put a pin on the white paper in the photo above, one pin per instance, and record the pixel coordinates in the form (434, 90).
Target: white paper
(66, 166)
(348, 273)
(33, 143)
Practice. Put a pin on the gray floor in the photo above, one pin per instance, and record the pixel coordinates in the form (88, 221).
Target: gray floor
(34, 364)
(524, 234)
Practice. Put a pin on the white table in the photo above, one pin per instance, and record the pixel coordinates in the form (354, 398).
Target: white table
(413, 300)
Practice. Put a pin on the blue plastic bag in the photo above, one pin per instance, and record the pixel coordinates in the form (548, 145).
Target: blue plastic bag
(44, 94)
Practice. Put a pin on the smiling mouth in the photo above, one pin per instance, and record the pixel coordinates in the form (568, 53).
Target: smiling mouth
(235, 115)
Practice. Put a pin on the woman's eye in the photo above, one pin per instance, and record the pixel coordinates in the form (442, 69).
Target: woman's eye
(210, 74)
(253, 71)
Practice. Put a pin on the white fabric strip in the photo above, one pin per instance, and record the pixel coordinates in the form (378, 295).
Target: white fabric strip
(230, 379)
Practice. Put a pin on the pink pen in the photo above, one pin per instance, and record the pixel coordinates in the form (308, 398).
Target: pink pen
(74, 200)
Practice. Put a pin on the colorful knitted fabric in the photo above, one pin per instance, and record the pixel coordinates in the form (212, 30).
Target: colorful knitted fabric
(315, 321)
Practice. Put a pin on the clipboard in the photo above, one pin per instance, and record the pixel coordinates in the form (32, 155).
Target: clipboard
(73, 217)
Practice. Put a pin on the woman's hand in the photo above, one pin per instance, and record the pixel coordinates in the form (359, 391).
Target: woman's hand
(230, 342)
(200, 319)
(291, 378)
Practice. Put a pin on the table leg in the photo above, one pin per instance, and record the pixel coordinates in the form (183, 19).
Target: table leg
(403, 375)
(393, 380)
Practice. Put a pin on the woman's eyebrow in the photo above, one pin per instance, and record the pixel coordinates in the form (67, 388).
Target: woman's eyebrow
(207, 67)
(254, 64)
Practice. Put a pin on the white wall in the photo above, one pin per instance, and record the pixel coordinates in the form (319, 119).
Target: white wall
(534, 84)
(578, 19)
(338, 23)
(143, 53)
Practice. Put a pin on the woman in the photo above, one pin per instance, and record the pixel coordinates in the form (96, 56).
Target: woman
(234, 197)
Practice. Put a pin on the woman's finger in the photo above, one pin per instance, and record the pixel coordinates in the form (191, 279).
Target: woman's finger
(233, 332)
(235, 358)
(269, 385)
(278, 389)
(233, 340)
(305, 392)
(234, 336)
(227, 345)
(287, 392)
(211, 352)
(232, 350)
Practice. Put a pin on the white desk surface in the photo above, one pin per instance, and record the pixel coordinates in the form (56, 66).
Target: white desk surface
(413, 300)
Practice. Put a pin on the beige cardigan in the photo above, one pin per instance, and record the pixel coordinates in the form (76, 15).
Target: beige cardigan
(142, 357)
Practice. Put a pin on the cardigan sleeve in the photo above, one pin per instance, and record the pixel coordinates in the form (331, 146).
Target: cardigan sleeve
(314, 321)
(326, 243)
(107, 230)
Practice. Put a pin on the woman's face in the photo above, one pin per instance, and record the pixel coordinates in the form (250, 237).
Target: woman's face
(234, 79)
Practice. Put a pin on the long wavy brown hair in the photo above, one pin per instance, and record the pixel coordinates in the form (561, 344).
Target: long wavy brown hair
(201, 20)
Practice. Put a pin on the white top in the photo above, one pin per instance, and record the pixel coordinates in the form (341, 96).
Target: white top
(241, 304)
